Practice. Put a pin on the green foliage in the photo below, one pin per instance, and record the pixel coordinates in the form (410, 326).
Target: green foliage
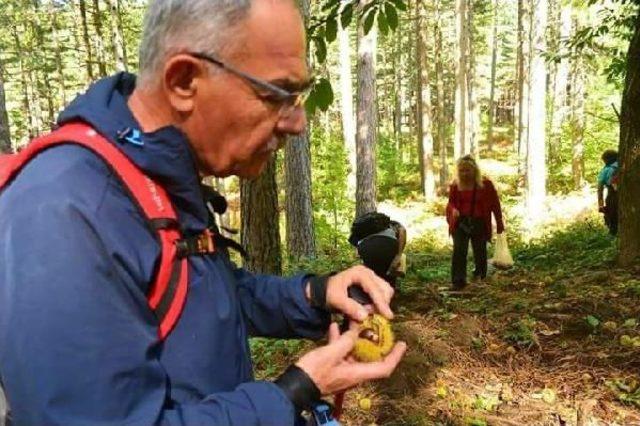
(397, 168)
(522, 332)
(332, 209)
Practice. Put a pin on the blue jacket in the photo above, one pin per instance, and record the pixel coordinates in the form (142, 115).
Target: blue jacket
(78, 343)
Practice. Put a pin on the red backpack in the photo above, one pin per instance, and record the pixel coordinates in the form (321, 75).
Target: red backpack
(168, 292)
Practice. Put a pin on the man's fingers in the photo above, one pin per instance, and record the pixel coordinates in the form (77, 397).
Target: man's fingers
(354, 310)
(382, 369)
(375, 291)
(334, 332)
(345, 343)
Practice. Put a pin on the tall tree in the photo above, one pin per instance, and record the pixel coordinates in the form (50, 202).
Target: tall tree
(86, 39)
(461, 143)
(536, 139)
(297, 171)
(494, 66)
(524, 82)
(424, 119)
(260, 222)
(560, 82)
(99, 39)
(367, 121)
(629, 151)
(117, 36)
(346, 105)
(5, 134)
(440, 100)
(577, 120)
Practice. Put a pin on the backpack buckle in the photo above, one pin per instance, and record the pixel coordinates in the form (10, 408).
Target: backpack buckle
(197, 245)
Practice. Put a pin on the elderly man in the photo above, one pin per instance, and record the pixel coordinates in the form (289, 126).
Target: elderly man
(219, 90)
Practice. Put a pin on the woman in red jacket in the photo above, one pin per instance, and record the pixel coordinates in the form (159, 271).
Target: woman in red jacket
(472, 200)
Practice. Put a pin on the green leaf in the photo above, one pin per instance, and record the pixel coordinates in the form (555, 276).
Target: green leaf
(392, 16)
(330, 4)
(399, 4)
(324, 94)
(347, 15)
(321, 49)
(331, 31)
(368, 21)
(592, 321)
(382, 23)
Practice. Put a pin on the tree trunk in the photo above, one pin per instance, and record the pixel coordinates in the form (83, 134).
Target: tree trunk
(32, 126)
(473, 114)
(424, 118)
(560, 84)
(87, 41)
(58, 56)
(494, 62)
(367, 122)
(99, 37)
(440, 103)
(524, 73)
(460, 143)
(578, 97)
(41, 77)
(346, 105)
(299, 211)
(630, 157)
(260, 222)
(5, 131)
(536, 151)
(117, 36)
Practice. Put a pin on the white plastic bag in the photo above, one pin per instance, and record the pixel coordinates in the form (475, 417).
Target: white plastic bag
(502, 256)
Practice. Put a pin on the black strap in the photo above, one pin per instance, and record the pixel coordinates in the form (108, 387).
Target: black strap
(299, 388)
(167, 298)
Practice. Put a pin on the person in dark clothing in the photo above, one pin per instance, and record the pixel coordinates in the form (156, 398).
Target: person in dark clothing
(608, 179)
(472, 200)
(220, 88)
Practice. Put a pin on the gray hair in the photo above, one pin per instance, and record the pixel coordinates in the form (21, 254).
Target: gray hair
(173, 26)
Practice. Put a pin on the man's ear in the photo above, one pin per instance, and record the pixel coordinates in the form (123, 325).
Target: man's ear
(183, 74)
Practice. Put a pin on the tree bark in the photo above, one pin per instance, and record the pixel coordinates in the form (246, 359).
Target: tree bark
(99, 37)
(578, 95)
(298, 206)
(346, 105)
(87, 40)
(440, 101)
(524, 73)
(260, 222)
(424, 118)
(58, 56)
(494, 62)
(461, 138)
(630, 157)
(536, 151)
(5, 131)
(560, 84)
(367, 122)
(117, 36)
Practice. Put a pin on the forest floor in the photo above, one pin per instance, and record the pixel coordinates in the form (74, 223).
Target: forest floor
(553, 341)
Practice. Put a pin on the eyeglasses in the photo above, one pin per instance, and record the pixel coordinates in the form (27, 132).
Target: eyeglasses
(287, 101)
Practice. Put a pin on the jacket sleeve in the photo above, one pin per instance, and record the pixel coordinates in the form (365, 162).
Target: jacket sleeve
(277, 307)
(496, 207)
(78, 344)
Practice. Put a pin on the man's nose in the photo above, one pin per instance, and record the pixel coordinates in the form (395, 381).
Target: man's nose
(294, 123)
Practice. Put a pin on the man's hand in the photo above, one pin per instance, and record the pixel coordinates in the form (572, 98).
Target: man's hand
(455, 213)
(378, 290)
(333, 370)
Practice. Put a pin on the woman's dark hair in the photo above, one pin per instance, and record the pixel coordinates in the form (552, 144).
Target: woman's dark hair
(610, 156)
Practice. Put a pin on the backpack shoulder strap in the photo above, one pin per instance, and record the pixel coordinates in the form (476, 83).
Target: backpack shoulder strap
(168, 292)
